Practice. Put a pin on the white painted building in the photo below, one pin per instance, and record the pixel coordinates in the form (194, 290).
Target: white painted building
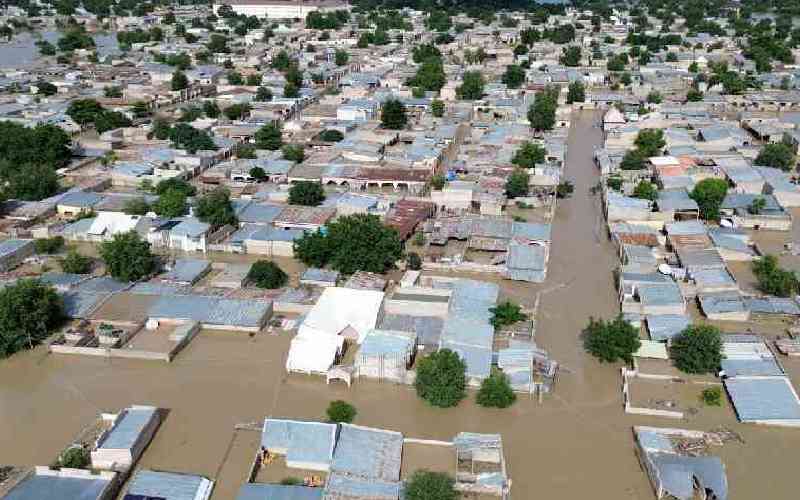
(281, 9)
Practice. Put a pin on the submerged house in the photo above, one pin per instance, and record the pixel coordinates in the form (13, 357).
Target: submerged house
(675, 474)
(121, 446)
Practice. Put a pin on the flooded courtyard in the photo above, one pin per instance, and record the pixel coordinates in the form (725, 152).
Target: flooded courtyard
(577, 443)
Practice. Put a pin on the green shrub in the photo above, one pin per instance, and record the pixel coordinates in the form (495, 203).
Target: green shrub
(341, 411)
(427, 485)
(613, 340)
(414, 261)
(76, 457)
(441, 379)
(49, 245)
(712, 396)
(496, 392)
(698, 349)
(267, 274)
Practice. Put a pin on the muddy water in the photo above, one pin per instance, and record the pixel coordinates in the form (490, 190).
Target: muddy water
(576, 444)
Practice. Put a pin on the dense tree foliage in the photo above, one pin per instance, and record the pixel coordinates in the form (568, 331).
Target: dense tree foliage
(646, 190)
(339, 411)
(267, 274)
(441, 379)
(127, 257)
(184, 136)
(709, 194)
(306, 193)
(471, 87)
(517, 183)
(613, 340)
(76, 263)
(269, 137)
(29, 311)
(576, 92)
(774, 280)
(698, 349)
(437, 108)
(215, 208)
(393, 115)
(331, 135)
(351, 243)
(529, 154)
(777, 156)
(496, 391)
(427, 485)
(542, 113)
(514, 76)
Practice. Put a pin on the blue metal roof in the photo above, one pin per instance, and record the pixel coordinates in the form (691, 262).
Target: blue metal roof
(763, 399)
(372, 454)
(212, 310)
(63, 488)
(342, 486)
(80, 199)
(127, 429)
(10, 247)
(166, 485)
(666, 326)
(306, 442)
(81, 304)
(255, 491)
(187, 270)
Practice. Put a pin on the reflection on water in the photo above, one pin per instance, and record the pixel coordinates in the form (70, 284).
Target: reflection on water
(22, 50)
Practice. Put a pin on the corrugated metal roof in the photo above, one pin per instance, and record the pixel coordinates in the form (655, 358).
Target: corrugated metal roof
(342, 487)
(666, 326)
(39, 487)
(212, 310)
(763, 398)
(187, 270)
(306, 442)
(255, 491)
(167, 485)
(372, 454)
(128, 428)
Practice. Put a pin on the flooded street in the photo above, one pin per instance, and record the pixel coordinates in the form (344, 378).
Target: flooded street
(21, 51)
(576, 444)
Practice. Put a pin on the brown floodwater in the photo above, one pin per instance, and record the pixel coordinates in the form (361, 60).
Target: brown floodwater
(576, 444)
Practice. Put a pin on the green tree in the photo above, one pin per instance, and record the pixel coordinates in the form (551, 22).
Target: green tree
(215, 208)
(170, 204)
(263, 94)
(341, 57)
(441, 379)
(654, 97)
(293, 152)
(234, 78)
(698, 349)
(517, 184)
(267, 274)
(778, 155)
(496, 391)
(471, 87)
(175, 184)
(576, 92)
(393, 115)
(774, 280)
(136, 206)
(217, 44)
(291, 91)
(29, 312)
(236, 111)
(610, 341)
(709, 194)
(49, 245)
(437, 108)
(351, 243)
(76, 263)
(506, 313)
(430, 75)
(84, 111)
(712, 396)
(46, 88)
(650, 141)
(184, 136)
(340, 412)
(542, 113)
(438, 181)
(75, 457)
(113, 91)
(634, 159)
(269, 137)
(307, 193)
(564, 189)
(331, 135)
(694, 95)
(571, 56)
(179, 80)
(528, 155)
(646, 190)
(757, 205)
(211, 109)
(127, 257)
(514, 76)
(427, 485)
(140, 109)
(413, 261)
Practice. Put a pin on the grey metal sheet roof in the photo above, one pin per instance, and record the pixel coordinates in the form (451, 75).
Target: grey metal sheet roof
(65, 280)
(81, 304)
(675, 199)
(212, 310)
(763, 399)
(529, 257)
(309, 442)
(751, 367)
(258, 213)
(427, 328)
(660, 295)
(379, 343)
(686, 228)
(187, 270)
(127, 428)
(63, 488)
(10, 247)
(678, 473)
(368, 453)
(102, 284)
(666, 326)
(342, 487)
(322, 275)
(255, 491)
(478, 359)
(166, 485)
(773, 305)
(531, 231)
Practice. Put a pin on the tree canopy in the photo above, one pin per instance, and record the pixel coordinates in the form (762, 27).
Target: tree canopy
(496, 391)
(646, 190)
(441, 378)
(778, 155)
(393, 115)
(542, 113)
(29, 312)
(613, 340)
(270, 137)
(127, 257)
(215, 208)
(471, 87)
(340, 412)
(517, 183)
(267, 274)
(306, 193)
(351, 243)
(427, 485)
(529, 154)
(514, 76)
(774, 280)
(576, 92)
(709, 194)
(698, 349)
